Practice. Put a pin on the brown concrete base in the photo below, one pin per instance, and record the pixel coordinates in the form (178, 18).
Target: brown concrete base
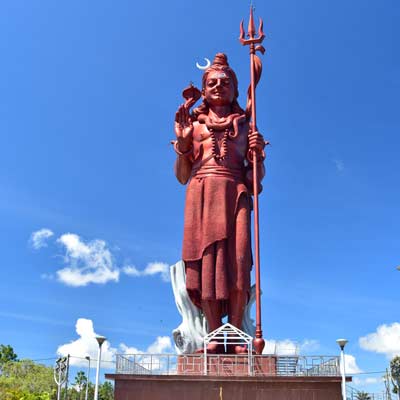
(225, 366)
(179, 387)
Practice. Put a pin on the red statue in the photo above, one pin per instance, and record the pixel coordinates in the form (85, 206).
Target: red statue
(212, 146)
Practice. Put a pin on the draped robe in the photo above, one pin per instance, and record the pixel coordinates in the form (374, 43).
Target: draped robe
(217, 243)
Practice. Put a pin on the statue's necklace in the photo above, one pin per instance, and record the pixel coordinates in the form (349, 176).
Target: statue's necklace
(230, 127)
(219, 152)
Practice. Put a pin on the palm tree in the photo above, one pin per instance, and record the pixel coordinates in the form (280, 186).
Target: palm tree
(80, 382)
(395, 372)
(363, 396)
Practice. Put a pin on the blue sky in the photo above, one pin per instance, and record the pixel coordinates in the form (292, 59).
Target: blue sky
(88, 94)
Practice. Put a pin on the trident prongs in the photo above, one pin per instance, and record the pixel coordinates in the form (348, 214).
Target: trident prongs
(251, 31)
(260, 29)
(241, 36)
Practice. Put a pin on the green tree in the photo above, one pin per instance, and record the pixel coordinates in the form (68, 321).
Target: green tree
(26, 379)
(106, 391)
(363, 396)
(77, 393)
(20, 395)
(73, 394)
(6, 355)
(80, 382)
(91, 390)
(395, 372)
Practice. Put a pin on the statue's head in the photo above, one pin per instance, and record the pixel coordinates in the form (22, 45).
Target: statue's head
(219, 70)
(220, 65)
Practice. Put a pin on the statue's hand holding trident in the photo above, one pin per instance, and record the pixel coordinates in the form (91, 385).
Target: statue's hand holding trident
(257, 143)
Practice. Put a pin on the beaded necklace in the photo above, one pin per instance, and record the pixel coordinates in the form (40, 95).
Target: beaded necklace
(220, 153)
(230, 127)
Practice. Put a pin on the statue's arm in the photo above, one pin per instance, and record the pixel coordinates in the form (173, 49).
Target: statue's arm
(260, 170)
(260, 176)
(183, 168)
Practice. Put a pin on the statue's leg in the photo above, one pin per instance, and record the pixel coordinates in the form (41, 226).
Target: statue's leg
(212, 310)
(236, 308)
(241, 264)
(237, 305)
(211, 307)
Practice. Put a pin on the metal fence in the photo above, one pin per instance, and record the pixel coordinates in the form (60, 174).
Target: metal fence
(227, 365)
(353, 394)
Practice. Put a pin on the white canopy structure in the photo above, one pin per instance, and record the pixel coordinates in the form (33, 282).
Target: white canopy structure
(227, 335)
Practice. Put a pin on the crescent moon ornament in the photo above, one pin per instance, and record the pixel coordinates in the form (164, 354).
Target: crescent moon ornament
(203, 67)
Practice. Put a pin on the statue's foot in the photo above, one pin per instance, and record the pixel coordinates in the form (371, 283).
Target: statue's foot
(236, 349)
(213, 348)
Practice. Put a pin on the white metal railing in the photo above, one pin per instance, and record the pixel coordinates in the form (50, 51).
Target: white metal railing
(353, 394)
(227, 365)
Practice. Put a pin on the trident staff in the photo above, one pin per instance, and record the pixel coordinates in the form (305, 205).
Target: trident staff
(254, 156)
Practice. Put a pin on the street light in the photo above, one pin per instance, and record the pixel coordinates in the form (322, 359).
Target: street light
(342, 343)
(87, 379)
(100, 341)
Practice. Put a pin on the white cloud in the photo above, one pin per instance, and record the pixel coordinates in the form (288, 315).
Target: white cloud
(351, 366)
(309, 345)
(289, 347)
(367, 381)
(129, 350)
(90, 262)
(386, 340)
(38, 239)
(152, 268)
(86, 345)
(339, 164)
(131, 270)
(158, 268)
(162, 345)
(282, 347)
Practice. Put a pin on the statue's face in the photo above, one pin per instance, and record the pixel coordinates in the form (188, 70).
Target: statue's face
(218, 89)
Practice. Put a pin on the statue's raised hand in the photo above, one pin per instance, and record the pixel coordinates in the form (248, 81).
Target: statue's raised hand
(183, 128)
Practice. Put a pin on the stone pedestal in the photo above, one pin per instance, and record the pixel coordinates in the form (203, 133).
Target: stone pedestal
(181, 387)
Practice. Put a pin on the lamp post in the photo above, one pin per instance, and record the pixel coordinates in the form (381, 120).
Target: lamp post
(342, 343)
(100, 341)
(88, 378)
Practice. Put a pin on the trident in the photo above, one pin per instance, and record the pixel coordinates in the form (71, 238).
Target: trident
(255, 74)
